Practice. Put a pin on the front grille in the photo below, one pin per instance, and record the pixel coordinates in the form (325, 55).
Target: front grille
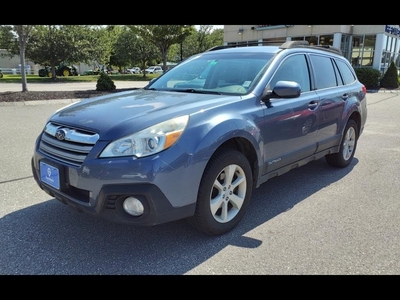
(66, 144)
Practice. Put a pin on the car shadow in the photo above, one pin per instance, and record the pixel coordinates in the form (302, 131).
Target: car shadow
(52, 239)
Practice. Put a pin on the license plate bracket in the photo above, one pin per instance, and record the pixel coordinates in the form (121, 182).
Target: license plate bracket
(50, 175)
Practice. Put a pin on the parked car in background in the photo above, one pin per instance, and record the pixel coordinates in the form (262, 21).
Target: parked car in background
(134, 70)
(196, 141)
(154, 70)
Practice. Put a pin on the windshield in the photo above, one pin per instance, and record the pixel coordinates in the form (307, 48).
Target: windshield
(214, 73)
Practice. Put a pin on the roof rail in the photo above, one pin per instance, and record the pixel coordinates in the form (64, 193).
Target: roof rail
(293, 44)
(285, 45)
(299, 44)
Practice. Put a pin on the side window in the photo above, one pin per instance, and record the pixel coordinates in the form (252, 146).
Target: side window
(324, 73)
(347, 74)
(294, 68)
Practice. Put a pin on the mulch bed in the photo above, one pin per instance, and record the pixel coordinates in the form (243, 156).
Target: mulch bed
(54, 95)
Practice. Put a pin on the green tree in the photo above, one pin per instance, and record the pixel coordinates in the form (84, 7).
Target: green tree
(390, 79)
(201, 40)
(15, 39)
(163, 36)
(53, 44)
(102, 40)
(130, 49)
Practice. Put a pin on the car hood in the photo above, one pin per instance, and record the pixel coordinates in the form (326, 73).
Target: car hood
(122, 113)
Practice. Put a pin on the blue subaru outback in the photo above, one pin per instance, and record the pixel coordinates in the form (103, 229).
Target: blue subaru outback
(197, 140)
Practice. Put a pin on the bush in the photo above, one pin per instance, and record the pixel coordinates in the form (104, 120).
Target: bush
(368, 77)
(105, 83)
(390, 79)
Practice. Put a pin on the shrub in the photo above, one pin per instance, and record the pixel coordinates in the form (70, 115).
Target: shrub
(390, 79)
(368, 77)
(105, 83)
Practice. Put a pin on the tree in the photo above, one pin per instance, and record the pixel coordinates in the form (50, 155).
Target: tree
(52, 45)
(101, 41)
(201, 40)
(163, 36)
(390, 79)
(15, 38)
(133, 50)
(204, 39)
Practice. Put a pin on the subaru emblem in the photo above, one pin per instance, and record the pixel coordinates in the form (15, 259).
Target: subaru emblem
(60, 134)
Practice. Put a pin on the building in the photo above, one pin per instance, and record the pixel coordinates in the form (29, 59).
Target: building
(365, 46)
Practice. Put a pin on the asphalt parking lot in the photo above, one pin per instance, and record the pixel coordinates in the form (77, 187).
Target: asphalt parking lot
(314, 220)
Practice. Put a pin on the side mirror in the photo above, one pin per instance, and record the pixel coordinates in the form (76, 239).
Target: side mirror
(282, 89)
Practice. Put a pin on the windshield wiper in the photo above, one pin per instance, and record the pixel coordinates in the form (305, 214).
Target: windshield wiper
(198, 91)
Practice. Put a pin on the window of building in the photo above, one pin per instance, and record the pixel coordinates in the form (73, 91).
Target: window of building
(345, 46)
(312, 40)
(326, 40)
(391, 52)
(363, 50)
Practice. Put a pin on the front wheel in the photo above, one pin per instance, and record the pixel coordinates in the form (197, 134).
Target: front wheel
(347, 149)
(224, 193)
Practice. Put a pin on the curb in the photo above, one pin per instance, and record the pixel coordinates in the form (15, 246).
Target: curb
(39, 102)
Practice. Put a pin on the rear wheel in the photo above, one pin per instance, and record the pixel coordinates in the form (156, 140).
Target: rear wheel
(224, 193)
(65, 72)
(347, 148)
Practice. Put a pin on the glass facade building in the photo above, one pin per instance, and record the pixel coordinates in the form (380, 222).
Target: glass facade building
(365, 46)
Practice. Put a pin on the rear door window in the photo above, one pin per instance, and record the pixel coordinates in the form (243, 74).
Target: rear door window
(347, 75)
(325, 76)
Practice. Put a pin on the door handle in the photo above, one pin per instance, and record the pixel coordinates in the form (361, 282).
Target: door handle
(312, 105)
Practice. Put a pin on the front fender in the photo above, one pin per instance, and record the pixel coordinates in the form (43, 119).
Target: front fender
(215, 132)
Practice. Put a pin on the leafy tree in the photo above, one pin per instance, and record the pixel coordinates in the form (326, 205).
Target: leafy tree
(53, 44)
(201, 40)
(14, 38)
(101, 43)
(8, 40)
(163, 36)
(130, 50)
(145, 53)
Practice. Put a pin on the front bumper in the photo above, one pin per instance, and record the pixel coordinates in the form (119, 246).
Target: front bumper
(99, 187)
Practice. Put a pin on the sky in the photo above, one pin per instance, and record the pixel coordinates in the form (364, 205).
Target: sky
(214, 26)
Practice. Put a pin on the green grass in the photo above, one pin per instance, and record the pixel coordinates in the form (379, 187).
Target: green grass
(8, 78)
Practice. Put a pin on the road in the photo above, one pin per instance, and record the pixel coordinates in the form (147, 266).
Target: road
(312, 220)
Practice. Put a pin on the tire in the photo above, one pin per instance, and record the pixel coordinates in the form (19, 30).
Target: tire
(347, 148)
(65, 72)
(42, 73)
(224, 193)
(1, 75)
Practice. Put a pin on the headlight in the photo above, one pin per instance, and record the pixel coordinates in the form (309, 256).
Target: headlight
(148, 141)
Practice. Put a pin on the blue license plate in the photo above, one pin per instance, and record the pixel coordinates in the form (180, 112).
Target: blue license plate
(50, 175)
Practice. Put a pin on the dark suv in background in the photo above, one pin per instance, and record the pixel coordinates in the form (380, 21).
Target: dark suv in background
(197, 140)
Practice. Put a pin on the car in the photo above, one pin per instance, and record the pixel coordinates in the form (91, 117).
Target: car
(153, 70)
(196, 141)
(134, 70)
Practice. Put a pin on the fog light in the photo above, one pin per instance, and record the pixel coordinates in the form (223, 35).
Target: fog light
(133, 206)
